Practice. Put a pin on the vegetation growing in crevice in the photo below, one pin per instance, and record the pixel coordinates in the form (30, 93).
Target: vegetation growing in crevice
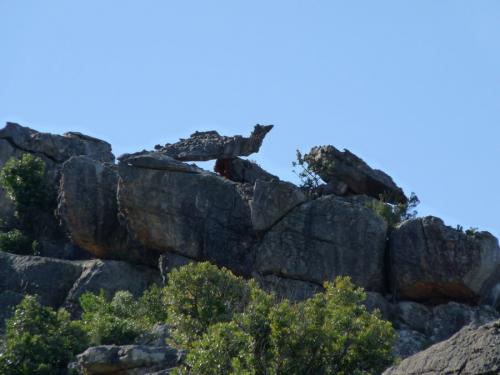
(24, 182)
(393, 214)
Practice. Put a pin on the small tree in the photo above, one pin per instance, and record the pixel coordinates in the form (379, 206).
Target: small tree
(331, 333)
(24, 182)
(199, 295)
(40, 341)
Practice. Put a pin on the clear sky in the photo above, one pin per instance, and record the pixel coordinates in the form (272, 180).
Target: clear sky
(413, 87)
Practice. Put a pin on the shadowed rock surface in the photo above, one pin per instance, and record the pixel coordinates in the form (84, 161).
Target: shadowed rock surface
(61, 282)
(472, 351)
(335, 166)
(241, 170)
(325, 238)
(433, 262)
(272, 200)
(202, 146)
(198, 215)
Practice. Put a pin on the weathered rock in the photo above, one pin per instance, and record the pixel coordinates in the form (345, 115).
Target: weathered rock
(169, 261)
(293, 290)
(420, 326)
(432, 262)
(409, 342)
(472, 351)
(198, 215)
(50, 279)
(8, 302)
(241, 170)
(128, 359)
(57, 148)
(61, 282)
(272, 200)
(110, 276)
(16, 140)
(325, 238)
(88, 207)
(202, 146)
(336, 166)
(376, 301)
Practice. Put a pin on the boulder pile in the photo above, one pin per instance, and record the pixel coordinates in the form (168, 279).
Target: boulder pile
(152, 211)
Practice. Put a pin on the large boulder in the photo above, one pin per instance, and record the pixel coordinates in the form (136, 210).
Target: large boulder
(336, 167)
(209, 145)
(110, 276)
(471, 351)
(432, 262)
(59, 283)
(50, 279)
(88, 206)
(16, 140)
(128, 360)
(167, 206)
(419, 326)
(325, 238)
(57, 148)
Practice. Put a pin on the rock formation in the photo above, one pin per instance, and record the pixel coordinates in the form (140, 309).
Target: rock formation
(472, 351)
(346, 169)
(210, 145)
(154, 209)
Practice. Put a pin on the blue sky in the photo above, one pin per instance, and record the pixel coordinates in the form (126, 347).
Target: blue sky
(413, 87)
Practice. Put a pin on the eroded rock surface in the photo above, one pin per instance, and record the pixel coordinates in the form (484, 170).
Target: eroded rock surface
(325, 238)
(432, 262)
(273, 200)
(61, 282)
(337, 167)
(472, 351)
(210, 145)
(196, 214)
(128, 360)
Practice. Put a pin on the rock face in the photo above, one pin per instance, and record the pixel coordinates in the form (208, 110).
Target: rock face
(88, 207)
(210, 145)
(195, 214)
(272, 200)
(325, 238)
(336, 167)
(128, 360)
(61, 282)
(16, 140)
(432, 262)
(57, 148)
(419, 326)
(472, 351)
(241, 170)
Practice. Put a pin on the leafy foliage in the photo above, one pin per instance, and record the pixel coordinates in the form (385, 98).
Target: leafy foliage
(395, 213)
(331, 333)
(121, 320)
(14, 241)
(309, 179)
(24, 182)
(40, 341)
(199, 295)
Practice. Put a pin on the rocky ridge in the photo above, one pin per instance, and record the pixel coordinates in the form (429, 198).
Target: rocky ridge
(152, 212)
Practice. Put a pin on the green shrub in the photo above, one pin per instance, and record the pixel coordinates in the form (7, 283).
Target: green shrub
(40, 341)
(16, 242)
(199, 295)
(309, 179)
(331, 333)
(24, 182)
(122, 319)
(393, 214)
